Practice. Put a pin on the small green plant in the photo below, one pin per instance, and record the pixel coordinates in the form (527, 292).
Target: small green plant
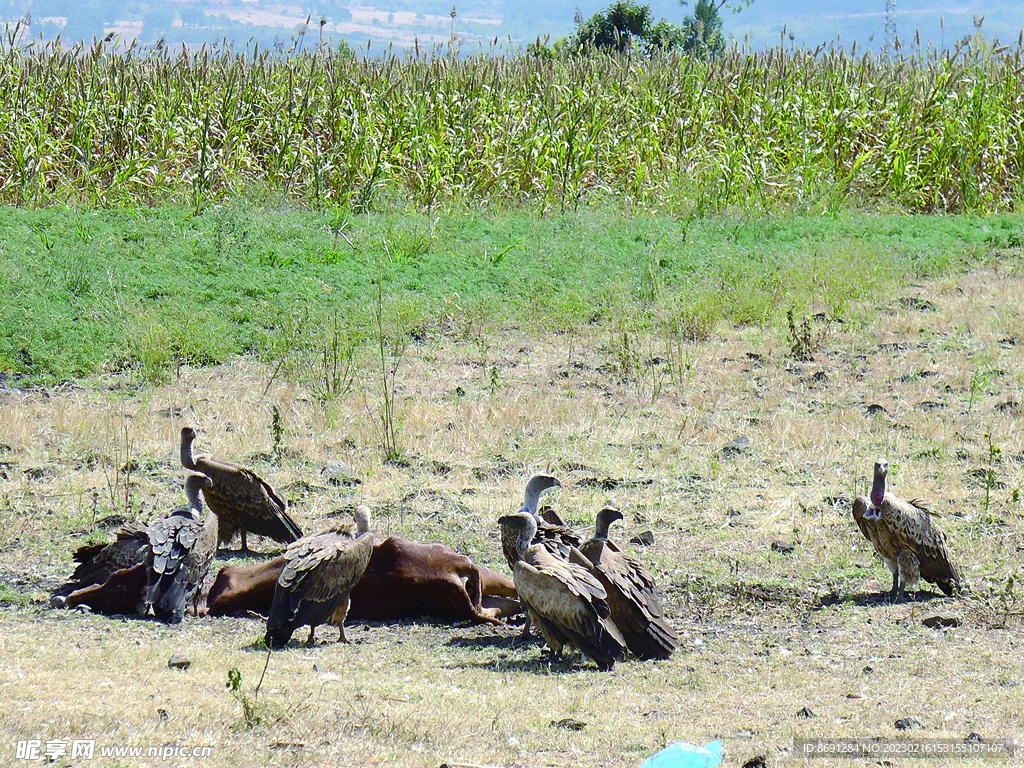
(276, 433)
(801, 337)
(991, 479)
(980, 380)
(253, 713)
(804, 341)
(393, 324)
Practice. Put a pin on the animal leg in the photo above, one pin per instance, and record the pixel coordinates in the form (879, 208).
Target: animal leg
(909, 569)
(312, 636)
(339, 619)
(525, 634)
(894, 593)
(245, 547)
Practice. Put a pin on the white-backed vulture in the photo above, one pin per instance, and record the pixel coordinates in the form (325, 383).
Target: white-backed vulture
(181, 548)
(632, 601)
(241, 499)
(317, 579)
(556, 536)
(906, 537)
(561, 597)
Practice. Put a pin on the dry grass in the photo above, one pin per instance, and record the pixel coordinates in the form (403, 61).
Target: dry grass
(765, 633)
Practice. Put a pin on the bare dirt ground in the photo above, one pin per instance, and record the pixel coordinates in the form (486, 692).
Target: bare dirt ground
(930, 377)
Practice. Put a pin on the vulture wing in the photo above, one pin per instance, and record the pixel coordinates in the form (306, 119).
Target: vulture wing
(915, 529)
(571, 601)
(242, 500)
(317, 578)
(97, 561)
(171, 542)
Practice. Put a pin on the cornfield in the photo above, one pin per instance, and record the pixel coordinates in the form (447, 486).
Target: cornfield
(760, 130)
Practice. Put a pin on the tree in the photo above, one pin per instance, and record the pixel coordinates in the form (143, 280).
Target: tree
(616, 27)
(702, 32)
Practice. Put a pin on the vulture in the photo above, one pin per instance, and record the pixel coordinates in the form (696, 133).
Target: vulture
(318, 576)
(554, 534)
(96, 562)
(242, 501)
(634, 606)
(181, 548)
(903, 533)
(561, 596)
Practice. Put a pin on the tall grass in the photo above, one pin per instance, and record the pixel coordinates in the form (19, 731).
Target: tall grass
(812, 130)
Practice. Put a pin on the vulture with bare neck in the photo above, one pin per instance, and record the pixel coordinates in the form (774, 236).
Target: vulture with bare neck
(907, 538)
(555, 535)
(561, 596)
(317, 580)
(635, 608)
(242, 501)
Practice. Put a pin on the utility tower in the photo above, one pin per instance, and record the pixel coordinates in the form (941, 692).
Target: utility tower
(890, 27)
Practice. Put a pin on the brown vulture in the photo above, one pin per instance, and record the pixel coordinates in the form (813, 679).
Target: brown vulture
(318, 576)
(906, 537)
(561, 596)
(634, 606)
(242, 501)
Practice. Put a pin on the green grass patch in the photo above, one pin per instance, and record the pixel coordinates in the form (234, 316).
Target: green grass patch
(154, 289)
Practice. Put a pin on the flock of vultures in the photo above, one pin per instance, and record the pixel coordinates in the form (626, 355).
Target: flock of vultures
(582, 593)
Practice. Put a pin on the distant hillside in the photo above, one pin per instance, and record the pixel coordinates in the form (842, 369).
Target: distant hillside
(479, 22)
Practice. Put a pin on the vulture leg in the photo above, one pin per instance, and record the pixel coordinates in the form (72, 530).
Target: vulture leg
(894, 593)
(245, 548)
(525, 634)
(341, 613)
(312, 636)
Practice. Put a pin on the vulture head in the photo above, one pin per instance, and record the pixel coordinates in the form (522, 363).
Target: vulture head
(188, 436)
(535, 486)
(878, 485)
(523, 527)
(605, 518)
(195, 483)
(362, 518)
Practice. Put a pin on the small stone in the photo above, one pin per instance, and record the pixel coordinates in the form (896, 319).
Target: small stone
(868, 670)
(179, 661)
(736, 446)
(339, 473)
(645, 539)
(569, 724)
(805, 712)
(758, 761)
(974, 738)
(783, 547)
(907, 723)
(941, 621)
(58, 601)
(875, 409)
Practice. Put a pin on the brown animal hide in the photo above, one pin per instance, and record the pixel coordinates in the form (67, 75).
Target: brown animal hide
(124, 591)
(404, 578)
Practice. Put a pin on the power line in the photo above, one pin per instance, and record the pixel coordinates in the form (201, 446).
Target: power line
(891, 40)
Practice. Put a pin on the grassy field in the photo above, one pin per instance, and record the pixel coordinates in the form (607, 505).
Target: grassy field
(578, 370)
(137, 290)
